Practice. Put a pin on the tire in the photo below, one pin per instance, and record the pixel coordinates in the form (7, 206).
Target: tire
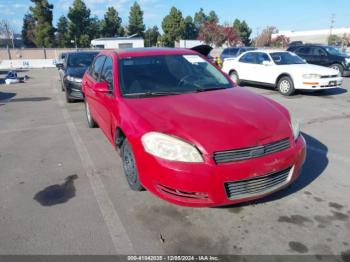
(338, 67)
(68, 99)
(234, 77)
(285, 86)
(91, 122)
(129, 166)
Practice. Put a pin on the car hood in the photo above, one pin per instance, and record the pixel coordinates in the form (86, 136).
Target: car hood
(215, 120)
(76, 71)
(309, 69)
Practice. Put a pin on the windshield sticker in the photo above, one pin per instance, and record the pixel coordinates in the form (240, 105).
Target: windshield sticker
(194, 59)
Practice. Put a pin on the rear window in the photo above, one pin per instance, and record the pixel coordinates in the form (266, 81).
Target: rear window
(80, 59)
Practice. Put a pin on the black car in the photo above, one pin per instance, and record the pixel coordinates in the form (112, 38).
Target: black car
(323, 55)
(232, 52)
(72, 71)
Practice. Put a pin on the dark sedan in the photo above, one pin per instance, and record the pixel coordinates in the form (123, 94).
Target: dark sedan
(232, 52)
(72, 72)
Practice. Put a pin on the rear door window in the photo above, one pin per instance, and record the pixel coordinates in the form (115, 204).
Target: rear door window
(303, 50)
(249, 58)
(261, 57)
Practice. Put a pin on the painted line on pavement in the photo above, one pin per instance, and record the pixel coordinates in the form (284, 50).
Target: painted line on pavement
(120, 238)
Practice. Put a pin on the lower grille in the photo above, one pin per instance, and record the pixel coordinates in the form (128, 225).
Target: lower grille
(251, 152)
(257, 186)
(182, 194)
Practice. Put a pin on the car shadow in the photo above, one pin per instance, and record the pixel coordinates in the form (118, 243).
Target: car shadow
(315, 163)
(299, 93)
(5, 96)
(326, 92)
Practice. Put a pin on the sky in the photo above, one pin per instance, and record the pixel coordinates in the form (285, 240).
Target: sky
(283, 14)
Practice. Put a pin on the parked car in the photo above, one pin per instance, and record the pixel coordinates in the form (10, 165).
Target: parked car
(294, 43)
(185, 132)
(60, 58)
(324, 56)
(232, 52)
(71, 73)
(282, 70)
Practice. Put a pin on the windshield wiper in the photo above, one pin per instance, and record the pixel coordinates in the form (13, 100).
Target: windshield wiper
(153, 93)
(209, 89)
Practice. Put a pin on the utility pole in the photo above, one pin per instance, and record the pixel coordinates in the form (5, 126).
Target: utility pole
(331, 26)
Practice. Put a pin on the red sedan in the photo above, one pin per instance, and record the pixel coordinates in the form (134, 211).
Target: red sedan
(186, 132)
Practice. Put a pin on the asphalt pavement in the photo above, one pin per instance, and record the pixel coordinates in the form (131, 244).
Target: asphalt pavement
(62, 189)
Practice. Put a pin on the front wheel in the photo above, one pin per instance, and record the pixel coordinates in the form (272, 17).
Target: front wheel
(234, 76)
(338, 67)
(285, 86)
(129, 166)
(90, 120)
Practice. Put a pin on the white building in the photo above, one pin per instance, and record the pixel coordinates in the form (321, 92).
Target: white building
(118, 42)
(313, 36)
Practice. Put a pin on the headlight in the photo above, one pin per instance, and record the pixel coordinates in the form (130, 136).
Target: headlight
(170, 148)
(294, 123)
(74, 79)
(347, 60)
(311, 76)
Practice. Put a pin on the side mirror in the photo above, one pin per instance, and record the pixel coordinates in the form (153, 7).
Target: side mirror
(266, 63)
(102, 87)
(59, 65)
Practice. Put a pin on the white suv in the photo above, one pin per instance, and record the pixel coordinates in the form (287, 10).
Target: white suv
(282, 70)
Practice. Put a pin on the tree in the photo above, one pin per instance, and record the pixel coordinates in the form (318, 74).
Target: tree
(243, 30)
(280, 41)
(212, 17)
(7, 31)
(264, 39)
(44, 31)
(136, 25)
(79, 23)
(190, 29)
(173, 26)
(334, 40)
(62, 37)
(112, 24)
(215, 34)
(94, 30)
(151, 36)
(200, 18)
(28, 30)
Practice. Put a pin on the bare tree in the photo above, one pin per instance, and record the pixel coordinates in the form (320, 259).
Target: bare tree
(264, 39)
(7, 31)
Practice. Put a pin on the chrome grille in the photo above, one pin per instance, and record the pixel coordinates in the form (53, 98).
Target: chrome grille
(251, 152)
(257, 186)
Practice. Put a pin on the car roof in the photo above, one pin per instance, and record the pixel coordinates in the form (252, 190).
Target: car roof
(82, 52)
(269, 51)
(137, 52)
(309, 45)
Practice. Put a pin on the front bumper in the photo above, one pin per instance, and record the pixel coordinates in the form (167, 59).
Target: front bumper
(320, 84)
(73, 89)
(203, 184)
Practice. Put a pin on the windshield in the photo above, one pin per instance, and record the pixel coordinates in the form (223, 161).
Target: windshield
(169, 74)
(286, 58)
(334, 51)
(80, 59)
